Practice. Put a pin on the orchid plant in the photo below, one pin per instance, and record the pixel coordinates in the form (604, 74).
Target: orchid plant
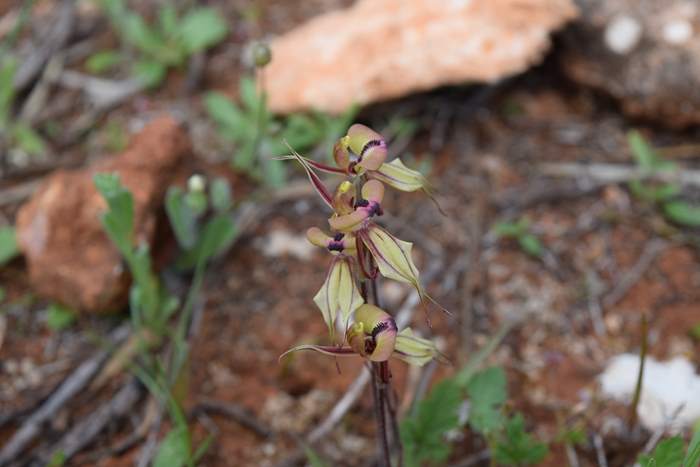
(361, 251)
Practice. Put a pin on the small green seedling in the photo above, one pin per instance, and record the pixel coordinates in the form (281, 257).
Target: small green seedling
(520, 232)
(665, 195)
(201, 235)
(151, 306)
(257, 136)
(159, 45)
(59, 317)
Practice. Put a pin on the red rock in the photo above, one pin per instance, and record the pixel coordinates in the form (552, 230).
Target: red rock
(382, 49)
(70, 258)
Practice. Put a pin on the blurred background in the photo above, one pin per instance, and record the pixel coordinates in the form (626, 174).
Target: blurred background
(142, 316)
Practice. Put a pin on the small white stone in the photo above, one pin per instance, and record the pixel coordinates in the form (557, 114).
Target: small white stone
(677, 32)
(622, 34)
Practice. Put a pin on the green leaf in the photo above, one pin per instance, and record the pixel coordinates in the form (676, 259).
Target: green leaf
(139, 34)
(8, 244)
(150, 73)
(58, 459)
(102, 61)
(423, 432)
(174, 450)
(301, 132)
(217, 235)
(313, 458)
(118, 221)
(645, 155)
(59, 317)
(249, 94)
(182, 219)
(692, 458)
(517, 447)
(487, 393)
(8, 67)
(531, 245)
(201, 28)
(510, 229)
(668, 453)
(275, 172)
(167, 20)
(220, 194)
(653, 193)
(682, 213)
(224, 112)
(28, 140)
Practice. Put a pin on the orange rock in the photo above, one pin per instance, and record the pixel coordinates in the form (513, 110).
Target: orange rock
(382, 49)
(70, 258)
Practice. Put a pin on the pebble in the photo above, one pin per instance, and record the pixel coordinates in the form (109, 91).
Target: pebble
(622, 34)
(677, 32)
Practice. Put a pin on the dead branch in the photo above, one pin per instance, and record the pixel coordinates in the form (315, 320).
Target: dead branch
(87, 429)
(617, 173)
(54, 40)
(234, 412)
(71, 386)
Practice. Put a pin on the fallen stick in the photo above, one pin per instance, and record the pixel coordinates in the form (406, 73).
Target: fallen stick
(617, 173)
(53, 41)
(85, 432)
(235, 412)
(71, 386)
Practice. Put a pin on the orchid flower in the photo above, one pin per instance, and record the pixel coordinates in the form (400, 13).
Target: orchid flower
(363, 151)
(374, 336)
(339, 294)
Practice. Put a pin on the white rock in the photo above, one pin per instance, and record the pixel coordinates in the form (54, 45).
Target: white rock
(669, 397)
(677, 32)
(282, 242)
(622, 34)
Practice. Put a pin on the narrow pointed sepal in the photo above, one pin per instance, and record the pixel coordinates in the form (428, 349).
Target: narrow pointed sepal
(331, 350)
(316, 182)
(415, 350)
(339, 295)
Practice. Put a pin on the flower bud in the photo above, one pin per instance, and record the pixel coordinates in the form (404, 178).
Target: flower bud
(261, 54)
(196, 183)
